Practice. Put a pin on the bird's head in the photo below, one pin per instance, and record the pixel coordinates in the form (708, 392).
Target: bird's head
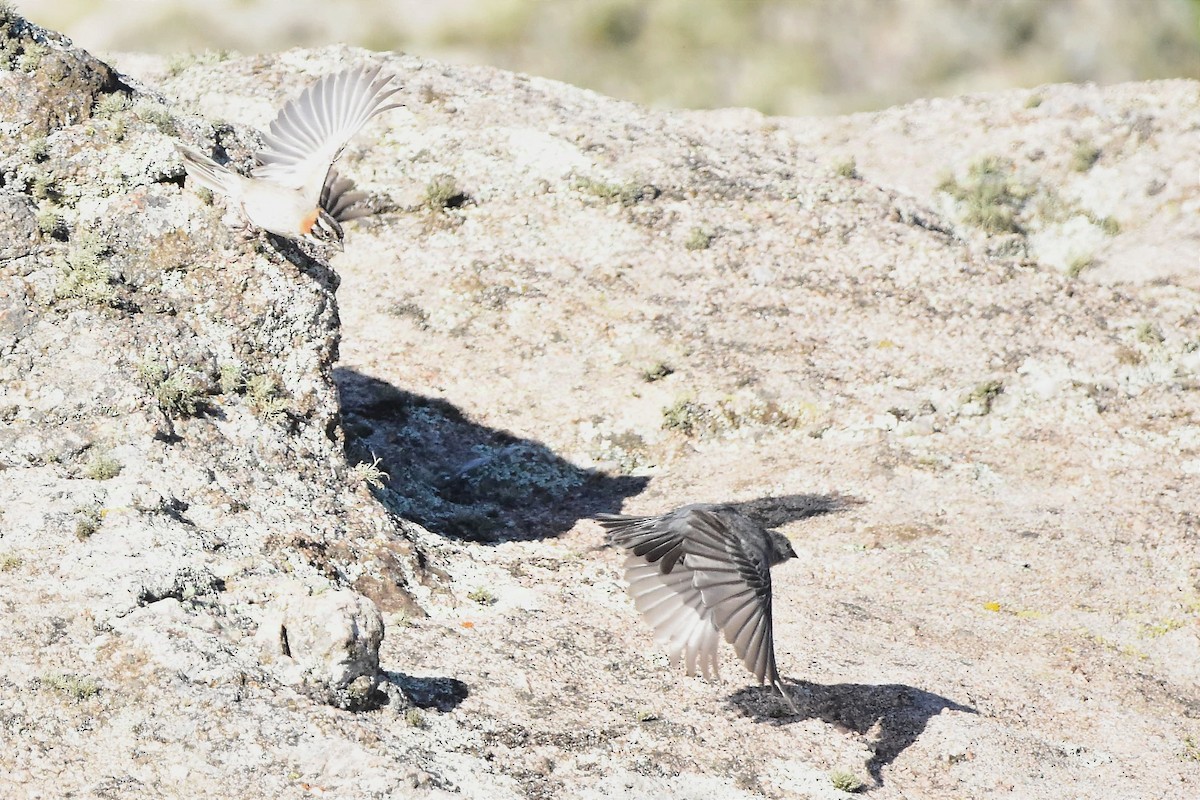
(326, 230)
(781, 547)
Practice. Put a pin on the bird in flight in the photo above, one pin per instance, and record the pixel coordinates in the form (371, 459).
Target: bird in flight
(295, 191)
(700, 572)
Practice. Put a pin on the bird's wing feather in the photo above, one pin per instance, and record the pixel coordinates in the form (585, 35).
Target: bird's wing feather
(339, 199)
(675, 610)
(697, 573)
(310, 131)
(656, 539)
(734, 580)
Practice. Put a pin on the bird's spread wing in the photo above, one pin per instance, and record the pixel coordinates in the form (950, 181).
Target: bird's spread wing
(309, 133)
(675, 610)
(339, 200)
(733, 578)
(699, 572)
(663, 588)
(659, 540)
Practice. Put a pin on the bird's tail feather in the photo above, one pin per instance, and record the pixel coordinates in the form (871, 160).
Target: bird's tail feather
(207, 172)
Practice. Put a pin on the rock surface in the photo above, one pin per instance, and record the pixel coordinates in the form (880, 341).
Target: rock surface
(924, 343)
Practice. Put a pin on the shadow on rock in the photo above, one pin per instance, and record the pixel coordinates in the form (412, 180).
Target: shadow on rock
(892, 714)
(462, 479)
(440, 694)
(316, 268)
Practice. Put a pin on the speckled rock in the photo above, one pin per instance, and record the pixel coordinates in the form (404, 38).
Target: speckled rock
(21, 234)
(45, 83)
(170, 446)
(986, 457)
(330, 642)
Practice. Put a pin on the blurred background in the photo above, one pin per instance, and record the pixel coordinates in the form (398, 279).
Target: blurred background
(779, 56)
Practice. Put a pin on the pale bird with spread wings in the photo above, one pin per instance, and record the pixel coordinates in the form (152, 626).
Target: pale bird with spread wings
(294, 191)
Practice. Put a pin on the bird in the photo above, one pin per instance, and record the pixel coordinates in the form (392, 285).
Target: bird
(294, 191)
(701, 571)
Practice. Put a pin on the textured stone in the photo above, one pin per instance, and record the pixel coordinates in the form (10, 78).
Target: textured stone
(987, 465)
(330, 642)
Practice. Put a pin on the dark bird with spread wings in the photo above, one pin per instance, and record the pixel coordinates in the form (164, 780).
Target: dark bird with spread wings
(699, 572)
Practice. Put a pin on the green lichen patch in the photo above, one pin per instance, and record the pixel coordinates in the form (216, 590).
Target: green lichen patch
(266, 398)
(847, 169)
(695, 419)
(845, 780)
(699, 239)
(177, 392)
(87, 521)
(157, 115)
(231, 379)
(180, 63)
(1149, 333)
(626, 194)
(101, 467)
(483, 596)
(984, 395)
(443, 192)
(1085, 156)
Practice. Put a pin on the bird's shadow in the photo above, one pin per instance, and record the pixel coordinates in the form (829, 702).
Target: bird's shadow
(313, 264)
(777, 511)
(891, 716)
(439, 694)
(462, 479)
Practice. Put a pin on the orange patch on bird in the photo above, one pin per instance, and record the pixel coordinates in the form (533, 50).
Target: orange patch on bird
(307, 223)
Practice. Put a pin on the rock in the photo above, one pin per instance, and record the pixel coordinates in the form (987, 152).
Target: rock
(45, 83)
(330, 643)
(21, 235)
(216, 449)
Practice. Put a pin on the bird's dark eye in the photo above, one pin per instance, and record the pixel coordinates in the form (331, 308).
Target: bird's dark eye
(327, 229)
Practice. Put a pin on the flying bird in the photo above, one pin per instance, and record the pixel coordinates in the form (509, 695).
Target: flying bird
(700, 572)
(295, 191)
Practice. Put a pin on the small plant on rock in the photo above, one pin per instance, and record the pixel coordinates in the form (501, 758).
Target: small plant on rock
(845, 781)
(369, 473)
(75, 687)
(102, 467)
(483, 596)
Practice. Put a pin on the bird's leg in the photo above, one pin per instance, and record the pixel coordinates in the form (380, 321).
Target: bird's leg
(791, 703)
(246, 230)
